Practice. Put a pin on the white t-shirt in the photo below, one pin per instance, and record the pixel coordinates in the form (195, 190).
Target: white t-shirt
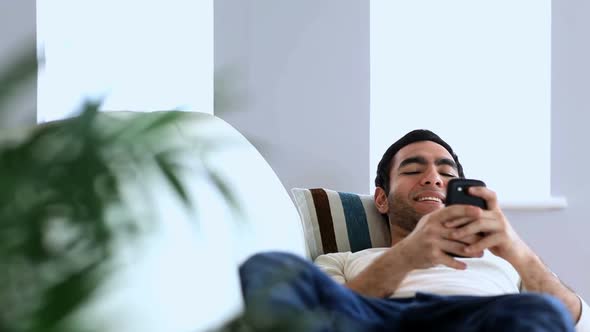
(486, 276)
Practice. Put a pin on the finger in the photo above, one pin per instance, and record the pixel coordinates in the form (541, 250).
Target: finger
(446, 233)
(453, 212)
(485, 243)
(458, 222)
(483, 225)
(470, 239)
(488, 195)
(457, 248)
(452, 262)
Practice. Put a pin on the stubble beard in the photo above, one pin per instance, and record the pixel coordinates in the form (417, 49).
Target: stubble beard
(401, 213)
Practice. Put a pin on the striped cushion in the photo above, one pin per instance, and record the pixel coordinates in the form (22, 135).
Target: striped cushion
(339, 221)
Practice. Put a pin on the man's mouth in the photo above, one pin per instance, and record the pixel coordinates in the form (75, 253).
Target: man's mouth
(430, 196)
(430, 199)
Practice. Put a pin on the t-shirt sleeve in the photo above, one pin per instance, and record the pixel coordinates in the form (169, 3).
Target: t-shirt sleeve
(333, 265)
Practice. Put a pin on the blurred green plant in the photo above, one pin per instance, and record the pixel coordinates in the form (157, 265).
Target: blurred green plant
(59, 183)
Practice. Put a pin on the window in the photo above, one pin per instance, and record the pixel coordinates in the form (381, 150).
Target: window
(479, 75)
(137, 55)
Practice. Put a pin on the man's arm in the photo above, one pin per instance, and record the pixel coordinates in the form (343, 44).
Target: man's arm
(501, 239)
(536, 277)
(383, 276)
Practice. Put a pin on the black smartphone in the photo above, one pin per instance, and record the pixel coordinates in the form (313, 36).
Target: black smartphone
(457, 192)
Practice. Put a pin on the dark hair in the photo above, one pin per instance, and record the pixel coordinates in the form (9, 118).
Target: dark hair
(418, 135)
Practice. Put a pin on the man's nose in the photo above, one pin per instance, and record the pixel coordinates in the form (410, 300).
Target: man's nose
(432, 177)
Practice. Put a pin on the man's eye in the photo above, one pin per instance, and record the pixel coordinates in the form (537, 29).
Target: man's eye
(448, 175)
(411, 173)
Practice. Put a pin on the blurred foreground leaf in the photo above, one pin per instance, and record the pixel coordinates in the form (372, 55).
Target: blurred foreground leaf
(24, 68)
(59, 186)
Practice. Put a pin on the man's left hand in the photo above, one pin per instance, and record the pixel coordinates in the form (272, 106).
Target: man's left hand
(499, 236)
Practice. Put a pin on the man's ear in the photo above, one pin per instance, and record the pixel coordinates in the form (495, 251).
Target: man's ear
(381, 200)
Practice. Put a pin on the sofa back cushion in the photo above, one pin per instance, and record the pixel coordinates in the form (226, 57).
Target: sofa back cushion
(339, 221)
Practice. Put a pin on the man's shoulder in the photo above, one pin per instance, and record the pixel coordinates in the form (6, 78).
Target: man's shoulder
(352, 255)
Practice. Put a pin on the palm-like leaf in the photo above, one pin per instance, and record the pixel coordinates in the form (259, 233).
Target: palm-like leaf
(24, 67)
(58, 184)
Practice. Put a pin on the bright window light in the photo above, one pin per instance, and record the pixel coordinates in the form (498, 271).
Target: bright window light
(478, 73)
(137, 55)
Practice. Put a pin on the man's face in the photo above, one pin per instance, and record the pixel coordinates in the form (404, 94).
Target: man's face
(418, 182)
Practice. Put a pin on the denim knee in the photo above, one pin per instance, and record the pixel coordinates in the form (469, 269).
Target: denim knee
(266, 268)
(279, 288)
(272, 261)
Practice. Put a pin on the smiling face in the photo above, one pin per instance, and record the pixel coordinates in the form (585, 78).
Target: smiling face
(418, 182)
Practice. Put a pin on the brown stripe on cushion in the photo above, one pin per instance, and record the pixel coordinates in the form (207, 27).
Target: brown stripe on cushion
(322, 208)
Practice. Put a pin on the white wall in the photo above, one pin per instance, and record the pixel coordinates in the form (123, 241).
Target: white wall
(17, 33)
(303, 71)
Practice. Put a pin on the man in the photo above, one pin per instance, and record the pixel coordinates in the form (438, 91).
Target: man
(420, 283)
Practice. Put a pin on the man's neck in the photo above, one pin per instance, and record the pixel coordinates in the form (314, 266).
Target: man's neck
(397, 234)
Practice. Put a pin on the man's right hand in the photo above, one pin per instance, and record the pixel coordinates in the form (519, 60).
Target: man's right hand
(426, 246)
(430, 243)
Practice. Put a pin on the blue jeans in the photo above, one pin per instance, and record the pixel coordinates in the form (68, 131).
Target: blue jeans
(284, 292)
